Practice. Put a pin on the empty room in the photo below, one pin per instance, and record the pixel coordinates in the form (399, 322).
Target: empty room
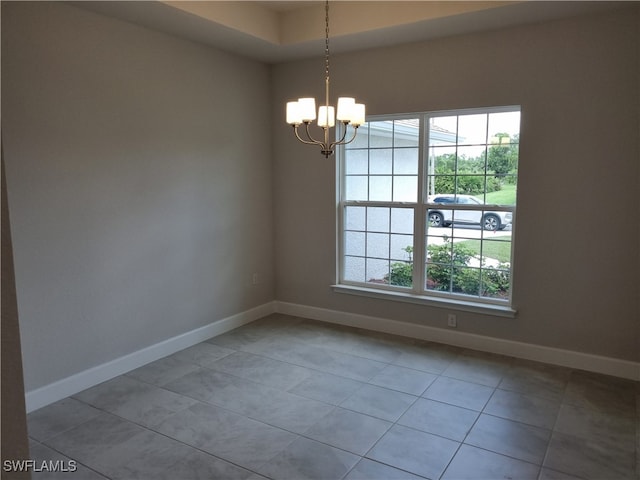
(361, 240)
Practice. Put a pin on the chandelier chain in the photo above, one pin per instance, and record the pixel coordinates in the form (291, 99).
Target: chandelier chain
(326, 39)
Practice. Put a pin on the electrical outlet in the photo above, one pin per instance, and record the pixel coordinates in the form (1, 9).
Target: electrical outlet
(255, 279)
(452, 321)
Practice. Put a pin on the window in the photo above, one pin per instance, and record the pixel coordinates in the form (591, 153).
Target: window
(427, 205)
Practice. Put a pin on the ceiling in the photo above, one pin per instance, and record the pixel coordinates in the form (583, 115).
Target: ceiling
(282, 31)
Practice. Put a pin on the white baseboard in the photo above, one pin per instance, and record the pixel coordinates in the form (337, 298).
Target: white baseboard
(65, 387)
(566, 358)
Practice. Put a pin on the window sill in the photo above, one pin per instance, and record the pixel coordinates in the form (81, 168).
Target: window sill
(449, 303)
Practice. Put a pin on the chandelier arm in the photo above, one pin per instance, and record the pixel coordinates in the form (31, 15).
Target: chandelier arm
(344, 135)
(315, 142)
(311, 141)
(342, 142)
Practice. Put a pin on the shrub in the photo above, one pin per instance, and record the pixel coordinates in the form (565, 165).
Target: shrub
(401, 273)
(448, 270)
(496, 281)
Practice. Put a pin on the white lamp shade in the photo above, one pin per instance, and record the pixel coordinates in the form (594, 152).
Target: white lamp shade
(345, 108)
(293, 113)
(307, 109)
(326, 116)
(358, 117)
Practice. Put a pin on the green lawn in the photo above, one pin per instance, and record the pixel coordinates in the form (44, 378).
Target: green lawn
(506, 196)
(501, 251)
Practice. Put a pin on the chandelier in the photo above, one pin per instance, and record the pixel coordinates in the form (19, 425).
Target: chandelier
(303, 111)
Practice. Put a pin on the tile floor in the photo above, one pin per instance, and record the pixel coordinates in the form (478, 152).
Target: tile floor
(289, 398)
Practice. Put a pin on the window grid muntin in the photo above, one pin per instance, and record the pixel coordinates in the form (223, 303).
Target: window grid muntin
(393, 175)
(420, 208)
(391, 201)
(390, 233)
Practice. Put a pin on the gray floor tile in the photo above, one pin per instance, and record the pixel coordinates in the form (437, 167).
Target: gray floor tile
(199, 424)
(352, 341)
(58, 466)
(203, 384)
(144, 456)
(290, 412)
(326, 387)
(369, 470)
(136, 401)
(403, 379)
(439, 418)
(335, 337)
(589, 459)
(179, 364)
(295, 398)
(373, 348)
(200, 466)
(428, 357)
(319, 358)
(547, 381)
(307, 459)
(529, 409)
(163, 371)
(548, 474)
(202, 354)
(460, 393)
(472, 463)
(602, 393)
(414, 451)
(260, 369)
(476, 367)
(260, 402)
(58, 417)
(88, 441)
(379, 402)
(587, 423)
(271, 325)
(227, 435)
(347, 430)
(510, 438)
(237, 339)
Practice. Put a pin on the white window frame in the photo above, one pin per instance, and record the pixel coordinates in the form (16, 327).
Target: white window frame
(418, 294)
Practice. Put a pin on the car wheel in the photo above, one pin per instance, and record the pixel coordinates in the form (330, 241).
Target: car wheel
(435, 219)
(491, 222)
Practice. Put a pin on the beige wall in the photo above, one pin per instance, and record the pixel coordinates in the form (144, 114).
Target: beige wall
(576, 264)
(146, 188)
(139, 180)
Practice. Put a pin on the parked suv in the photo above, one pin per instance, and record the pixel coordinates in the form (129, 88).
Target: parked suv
(442, 217)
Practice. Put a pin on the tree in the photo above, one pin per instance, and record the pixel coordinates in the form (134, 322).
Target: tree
(503, 155)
